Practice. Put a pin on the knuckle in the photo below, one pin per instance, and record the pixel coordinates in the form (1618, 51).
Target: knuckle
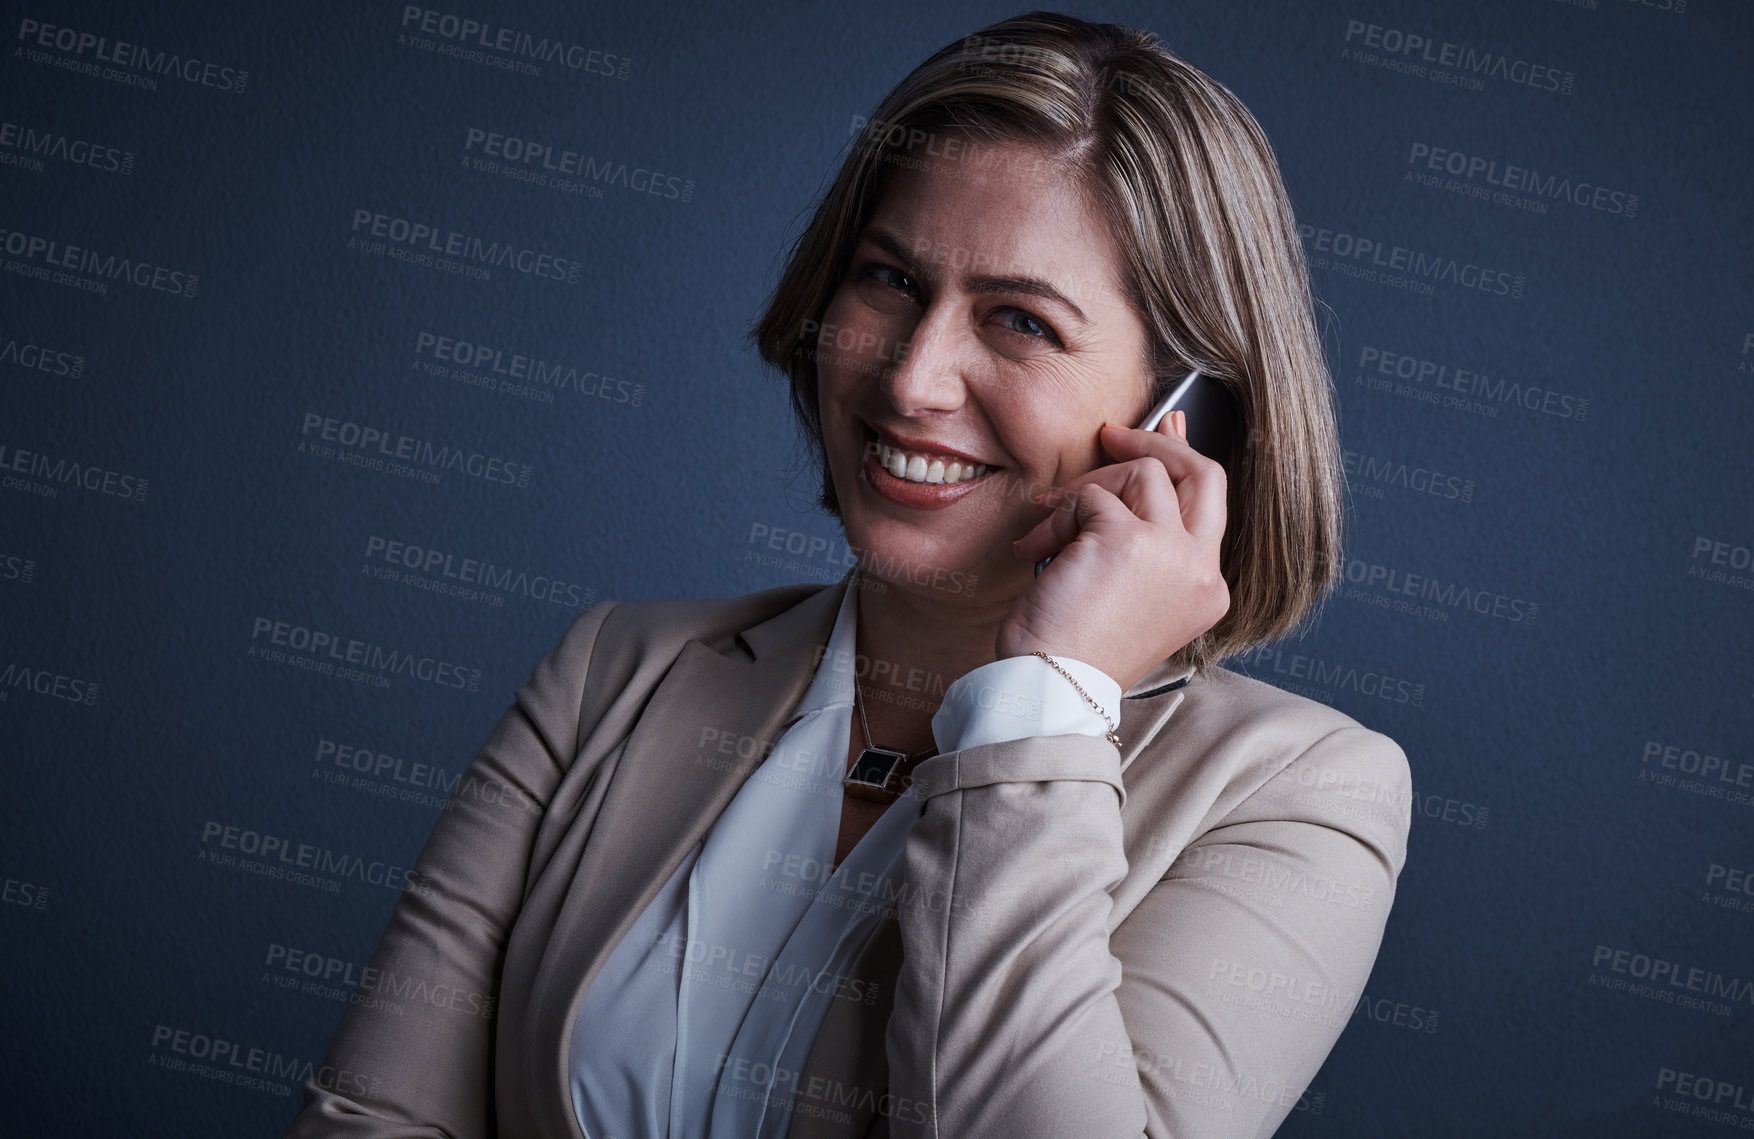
(1155, 472)
(1139, 541)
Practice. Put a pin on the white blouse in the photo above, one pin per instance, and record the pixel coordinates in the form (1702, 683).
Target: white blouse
(706, 1010)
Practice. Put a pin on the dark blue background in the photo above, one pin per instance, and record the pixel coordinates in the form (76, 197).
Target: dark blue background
(1540, 836)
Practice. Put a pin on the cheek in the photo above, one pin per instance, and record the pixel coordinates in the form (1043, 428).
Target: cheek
(832, 374)
(859, 338)
(833, 339)
(1056, 420)
(840, 305)
(837, 382)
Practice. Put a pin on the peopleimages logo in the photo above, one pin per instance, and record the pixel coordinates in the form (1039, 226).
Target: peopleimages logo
(323, 974)
(427, 244)
(235, 847)
(319, 650)
(1710, 1098)
(510, 48)
(82, 46)
(1703, 765)
(425, 563)
(44, 256)
(1278, 878)
(27, 467)
(1734, 559)
(36, 357)
(16, 567)
(520, 372)
(1379, 367)
(1718, 991)
(1393, 472)
(258, 1069)
(1401, 266)
(1282, 664)
(18, 677)
(353, 759)
(1426, 57)
(26, 146)
(539, 162)
(1396, 585)
(1505, 184)
(374, 447)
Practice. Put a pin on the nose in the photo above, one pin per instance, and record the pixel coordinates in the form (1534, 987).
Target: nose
(931, 376)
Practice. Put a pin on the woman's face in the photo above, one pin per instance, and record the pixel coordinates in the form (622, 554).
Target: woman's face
(981, 327)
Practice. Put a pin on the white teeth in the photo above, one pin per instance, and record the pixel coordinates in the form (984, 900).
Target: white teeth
(918, 468)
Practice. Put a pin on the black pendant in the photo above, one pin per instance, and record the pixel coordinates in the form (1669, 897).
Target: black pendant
(875, 768)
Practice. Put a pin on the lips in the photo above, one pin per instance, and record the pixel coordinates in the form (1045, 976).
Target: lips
(922, 462)
(920, 493)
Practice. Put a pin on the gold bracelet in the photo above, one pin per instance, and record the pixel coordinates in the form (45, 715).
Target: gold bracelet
(1110, 734)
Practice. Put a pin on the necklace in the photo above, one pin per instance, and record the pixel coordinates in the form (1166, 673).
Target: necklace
(880, 773)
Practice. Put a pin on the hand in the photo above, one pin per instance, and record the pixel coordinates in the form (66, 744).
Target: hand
(1136, 574)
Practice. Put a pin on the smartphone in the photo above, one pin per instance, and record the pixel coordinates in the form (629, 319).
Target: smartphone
(1213, 422)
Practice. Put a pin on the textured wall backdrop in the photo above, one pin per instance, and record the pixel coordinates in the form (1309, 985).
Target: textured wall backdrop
(267, 392)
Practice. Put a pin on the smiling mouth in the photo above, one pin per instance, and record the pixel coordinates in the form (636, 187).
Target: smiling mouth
(923, 467)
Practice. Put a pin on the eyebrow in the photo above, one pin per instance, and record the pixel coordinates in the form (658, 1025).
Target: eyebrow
(1026, 286)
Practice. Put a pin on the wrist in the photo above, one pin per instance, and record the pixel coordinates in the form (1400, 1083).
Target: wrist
(1101, 708)
(1021, 696)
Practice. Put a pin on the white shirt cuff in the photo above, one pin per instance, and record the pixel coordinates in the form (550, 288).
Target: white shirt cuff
(1018, 697)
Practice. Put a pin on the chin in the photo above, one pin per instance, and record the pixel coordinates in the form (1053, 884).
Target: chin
(896, 553)
(953, 551)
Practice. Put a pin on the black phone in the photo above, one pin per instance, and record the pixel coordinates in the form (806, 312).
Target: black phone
(1214, 423)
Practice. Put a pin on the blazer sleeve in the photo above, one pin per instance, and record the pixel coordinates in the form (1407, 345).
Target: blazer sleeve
(414, 1053)
(1205, 1013)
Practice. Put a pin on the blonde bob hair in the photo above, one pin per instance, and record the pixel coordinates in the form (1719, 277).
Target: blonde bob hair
(1211, 262)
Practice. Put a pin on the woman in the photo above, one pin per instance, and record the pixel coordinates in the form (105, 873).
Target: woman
(964, 851)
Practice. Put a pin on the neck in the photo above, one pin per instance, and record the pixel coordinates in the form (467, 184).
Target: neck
(913, 643)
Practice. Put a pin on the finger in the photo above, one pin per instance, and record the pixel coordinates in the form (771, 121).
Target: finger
(1097, 508)
(1200, 485)
(1174, 452)
(1049, 536)
(1142, 484)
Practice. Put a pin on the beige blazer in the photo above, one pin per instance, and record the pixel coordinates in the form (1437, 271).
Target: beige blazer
(1163, 940)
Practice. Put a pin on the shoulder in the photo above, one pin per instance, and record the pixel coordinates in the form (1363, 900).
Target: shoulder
(1247, 729)
(619, 651)
(619, 642)
(664, 625)
(1258, 753)
(1222, 702)
(1227, 710)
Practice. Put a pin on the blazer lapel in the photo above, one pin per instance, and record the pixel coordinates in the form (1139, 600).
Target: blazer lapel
(670, 784)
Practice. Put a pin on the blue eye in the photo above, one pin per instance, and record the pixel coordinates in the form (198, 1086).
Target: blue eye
(1021, 322)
